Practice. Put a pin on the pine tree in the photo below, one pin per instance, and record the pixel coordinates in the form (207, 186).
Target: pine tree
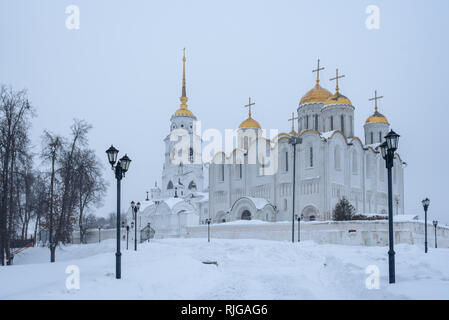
(343, 210)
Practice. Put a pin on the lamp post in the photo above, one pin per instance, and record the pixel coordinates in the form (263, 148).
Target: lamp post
(425, 204)
(388, 148)
(294, 141)
(298, 218)
(119, 169)
(435, 225)
(99, 234)
(208, 229)
(127, 233)
(135, 208)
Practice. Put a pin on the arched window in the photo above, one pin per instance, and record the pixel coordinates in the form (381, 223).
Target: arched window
(170, 185)
(332, 123)
(192, 185)
(337, 158)
(380, 137)
(285, 204)
(307, 122)
(316, 122)
(355, 164)
(372, 138)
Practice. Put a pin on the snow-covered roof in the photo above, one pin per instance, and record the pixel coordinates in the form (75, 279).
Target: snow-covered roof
(328, 134)
(260, 203)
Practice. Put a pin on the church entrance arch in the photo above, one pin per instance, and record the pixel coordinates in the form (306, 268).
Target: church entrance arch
(310, 213)
(246, 215)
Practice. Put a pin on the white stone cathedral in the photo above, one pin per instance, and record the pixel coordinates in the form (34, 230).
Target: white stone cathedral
(331, 163)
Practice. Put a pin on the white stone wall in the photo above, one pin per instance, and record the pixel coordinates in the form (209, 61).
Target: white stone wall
(366, 233)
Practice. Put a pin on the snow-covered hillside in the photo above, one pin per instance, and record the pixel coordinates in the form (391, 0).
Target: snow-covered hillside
(247, 269)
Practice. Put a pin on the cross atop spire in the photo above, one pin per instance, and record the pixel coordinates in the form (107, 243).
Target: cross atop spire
(317, 70)
(293, 123)
(375, 100)
(336, 78)
(249, 106)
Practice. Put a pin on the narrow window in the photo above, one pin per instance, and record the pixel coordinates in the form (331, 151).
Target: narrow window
(311, 157)
(380, 137)
(222, 172)
(286, 161)
(342, 120)
(332, 123)
(316, 122)
(191, 155)
(307, 122)
(240, 171)
(372, 138)
(351, 126)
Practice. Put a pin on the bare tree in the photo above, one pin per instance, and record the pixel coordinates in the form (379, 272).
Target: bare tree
(15, 112)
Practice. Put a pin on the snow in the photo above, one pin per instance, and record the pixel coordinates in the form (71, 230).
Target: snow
(247, 269)
(328, 134)
(260, 203)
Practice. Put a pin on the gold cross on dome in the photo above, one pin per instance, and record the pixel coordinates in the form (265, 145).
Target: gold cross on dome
(375, 100)
(249, 106)
(336, 78)
(292, 119)
(317, 70)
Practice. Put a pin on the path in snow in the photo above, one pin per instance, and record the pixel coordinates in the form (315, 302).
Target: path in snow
(247, 269)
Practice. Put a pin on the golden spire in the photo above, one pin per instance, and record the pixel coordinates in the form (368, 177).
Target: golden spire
(183, 97)
(336, 78)
(183, 111)
(293, 123)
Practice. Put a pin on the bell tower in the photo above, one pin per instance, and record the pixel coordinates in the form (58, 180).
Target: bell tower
(183, 163)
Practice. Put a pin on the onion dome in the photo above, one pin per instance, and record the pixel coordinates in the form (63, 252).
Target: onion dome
(250, 122)
(337, 97)
(376, 117)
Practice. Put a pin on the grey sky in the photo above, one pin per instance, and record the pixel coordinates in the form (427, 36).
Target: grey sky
(122, 73)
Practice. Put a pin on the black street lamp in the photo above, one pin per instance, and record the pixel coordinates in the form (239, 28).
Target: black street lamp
(119, 169)
(135, 208)
(208, 229)
(99, 234)
(435, 225)
(388, 148)
(298, 218)
(127, 235)
(425, 204)
(294, 141)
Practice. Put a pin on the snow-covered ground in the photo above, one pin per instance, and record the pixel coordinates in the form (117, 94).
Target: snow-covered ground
(247, 269)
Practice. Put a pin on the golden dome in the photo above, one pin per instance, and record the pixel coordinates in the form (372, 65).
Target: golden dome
(316, 94)
(250, 123)
(377, 117)
(338, 98)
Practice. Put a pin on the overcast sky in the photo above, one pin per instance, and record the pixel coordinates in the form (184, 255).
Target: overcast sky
(121, 71)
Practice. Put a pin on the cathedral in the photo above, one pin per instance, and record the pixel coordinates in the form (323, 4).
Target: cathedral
(331, 163)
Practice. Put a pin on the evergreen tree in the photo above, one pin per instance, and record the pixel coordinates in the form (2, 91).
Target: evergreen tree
(343, 210)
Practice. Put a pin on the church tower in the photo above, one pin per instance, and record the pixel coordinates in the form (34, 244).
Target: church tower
(183, 170)
(376, 126)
